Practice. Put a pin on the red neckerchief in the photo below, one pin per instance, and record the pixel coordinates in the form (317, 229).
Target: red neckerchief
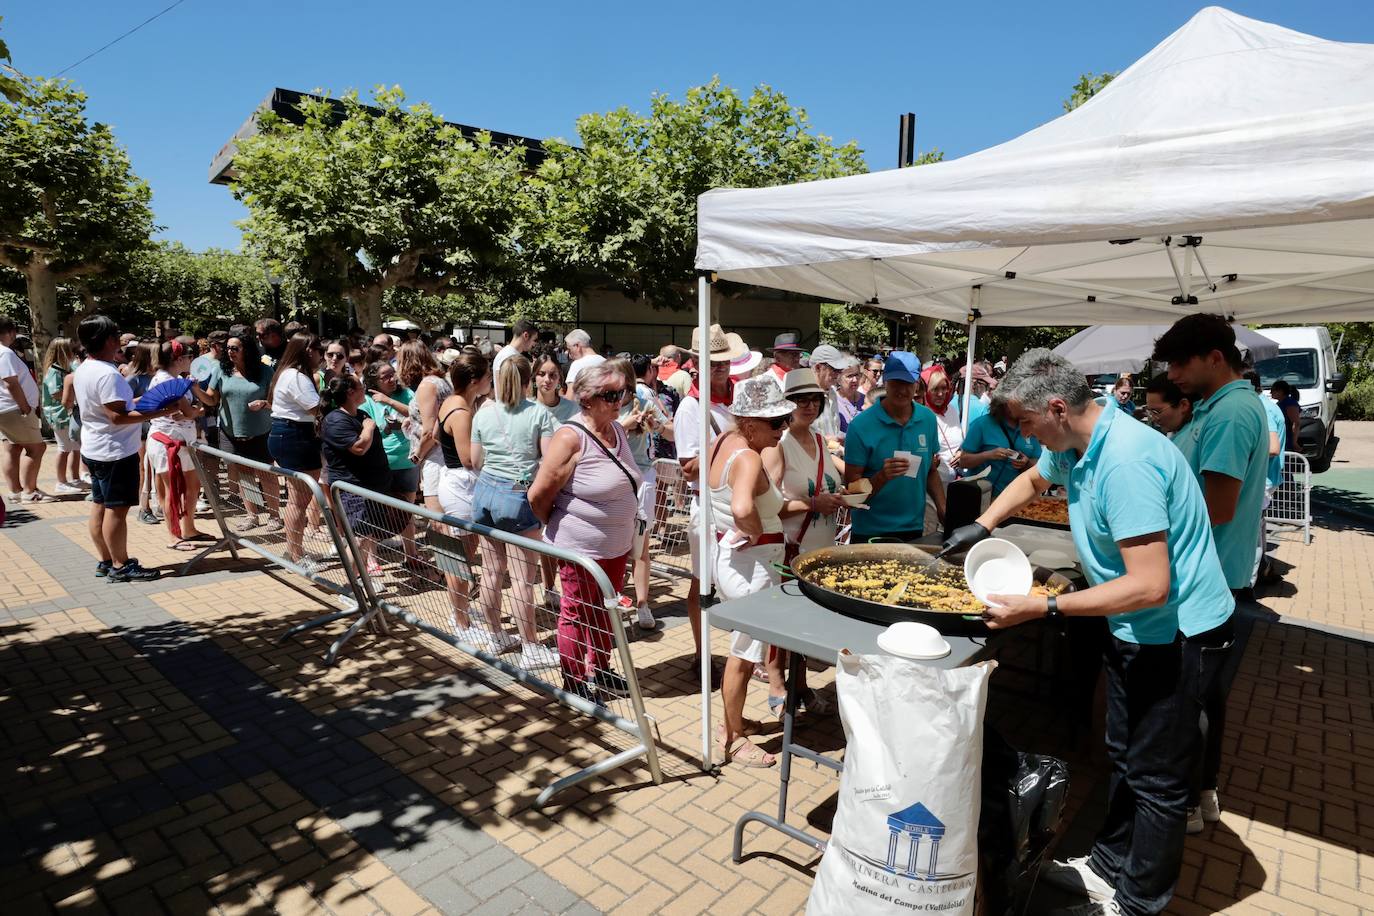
(727, 400)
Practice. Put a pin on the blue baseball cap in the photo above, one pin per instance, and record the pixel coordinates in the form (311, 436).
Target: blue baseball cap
(902, 366)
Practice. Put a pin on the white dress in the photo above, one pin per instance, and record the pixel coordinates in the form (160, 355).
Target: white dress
(799, 482)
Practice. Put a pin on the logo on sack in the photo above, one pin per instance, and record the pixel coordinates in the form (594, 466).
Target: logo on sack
(913, 845)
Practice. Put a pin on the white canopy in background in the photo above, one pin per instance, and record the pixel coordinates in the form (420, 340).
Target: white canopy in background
(1126, 347)
(1233, 163)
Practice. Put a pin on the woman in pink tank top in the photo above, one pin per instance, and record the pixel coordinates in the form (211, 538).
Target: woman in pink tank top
(587, 491)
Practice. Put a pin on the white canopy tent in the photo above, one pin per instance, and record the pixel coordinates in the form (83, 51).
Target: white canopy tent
(1230, 169)
(1106, 348)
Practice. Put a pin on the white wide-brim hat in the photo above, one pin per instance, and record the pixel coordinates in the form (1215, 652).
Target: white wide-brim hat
(761, 399)
(743, 365)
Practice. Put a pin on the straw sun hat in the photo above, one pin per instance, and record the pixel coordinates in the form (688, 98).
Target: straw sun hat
(722, 347)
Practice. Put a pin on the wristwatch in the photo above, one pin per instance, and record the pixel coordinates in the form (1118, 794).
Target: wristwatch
(1052, 612)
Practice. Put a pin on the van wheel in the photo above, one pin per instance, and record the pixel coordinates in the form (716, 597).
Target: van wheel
(1323, 463)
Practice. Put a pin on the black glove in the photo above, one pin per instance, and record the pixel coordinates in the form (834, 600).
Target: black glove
(964, 537)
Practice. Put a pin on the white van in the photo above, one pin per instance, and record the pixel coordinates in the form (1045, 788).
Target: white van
(1307, 361)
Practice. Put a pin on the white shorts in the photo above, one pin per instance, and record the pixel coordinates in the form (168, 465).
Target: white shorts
(646, 492)
(744, 572)
(694, 536)
(66, 442)
(157, 456)
(431, 473)
(455, 492)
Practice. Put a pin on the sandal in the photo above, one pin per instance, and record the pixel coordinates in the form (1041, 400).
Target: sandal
(777, 706)
(185, 545)
(746, 753)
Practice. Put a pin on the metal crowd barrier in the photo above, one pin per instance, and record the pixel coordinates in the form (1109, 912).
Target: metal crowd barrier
(1291, 505)
(260, 508)
(668, 550)
(427, 578)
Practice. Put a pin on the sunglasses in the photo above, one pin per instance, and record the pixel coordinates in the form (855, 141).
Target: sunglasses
(611, 397)
(333, 354)
(233, 349)
(778, 422)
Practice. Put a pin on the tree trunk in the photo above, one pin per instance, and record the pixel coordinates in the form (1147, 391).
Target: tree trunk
(42, 287)
(367, 302)
(925, 337)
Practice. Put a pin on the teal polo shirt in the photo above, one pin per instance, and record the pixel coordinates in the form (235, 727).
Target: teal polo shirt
(987, 433)
(1229, 435)
(873, 437)
(1272, 413)
(1129, 482)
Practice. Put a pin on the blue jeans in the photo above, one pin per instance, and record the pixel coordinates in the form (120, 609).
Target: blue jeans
(502, 504)
(1155, 694)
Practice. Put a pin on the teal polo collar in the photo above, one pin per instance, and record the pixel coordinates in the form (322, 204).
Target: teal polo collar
(1204, 406)
(1100, 430)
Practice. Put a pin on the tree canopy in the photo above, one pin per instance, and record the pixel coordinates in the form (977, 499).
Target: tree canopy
(71, 208)
(11, 85)
(1088, 85)
(623, 207)
(363, 199)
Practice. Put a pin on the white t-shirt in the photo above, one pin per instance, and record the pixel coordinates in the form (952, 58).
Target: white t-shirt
(687, 428)
(294, 397)
(99, 383)
(11, 366)
(502, 355)
(583, 362)
(174, 425)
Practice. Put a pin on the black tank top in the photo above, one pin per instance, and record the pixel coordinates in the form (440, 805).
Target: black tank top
(446, 444)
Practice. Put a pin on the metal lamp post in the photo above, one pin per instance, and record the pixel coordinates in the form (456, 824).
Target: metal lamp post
(275, 282)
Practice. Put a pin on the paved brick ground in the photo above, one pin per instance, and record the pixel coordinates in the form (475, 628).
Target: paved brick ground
(162, 752)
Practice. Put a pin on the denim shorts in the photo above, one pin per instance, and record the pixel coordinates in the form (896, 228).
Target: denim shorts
(114, 484)
(294, 446)
(502, 504)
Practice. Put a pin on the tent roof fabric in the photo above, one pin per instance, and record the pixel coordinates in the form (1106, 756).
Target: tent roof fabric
(1232, 164)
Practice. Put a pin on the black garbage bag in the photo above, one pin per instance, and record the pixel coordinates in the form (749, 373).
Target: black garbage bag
(1023, 799)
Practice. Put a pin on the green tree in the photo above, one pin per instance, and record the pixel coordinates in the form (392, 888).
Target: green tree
(852, 326)
(624, 206)
(1088, 85)
(71, 208)
(360, 200)
(11, 80)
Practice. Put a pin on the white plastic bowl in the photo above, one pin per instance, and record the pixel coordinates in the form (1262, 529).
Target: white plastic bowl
(910, 639)
(997, 567)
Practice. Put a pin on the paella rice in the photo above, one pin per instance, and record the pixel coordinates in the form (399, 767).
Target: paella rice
(897, 582)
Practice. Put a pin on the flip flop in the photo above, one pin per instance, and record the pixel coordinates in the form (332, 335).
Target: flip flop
(184, 546)
(201, 537)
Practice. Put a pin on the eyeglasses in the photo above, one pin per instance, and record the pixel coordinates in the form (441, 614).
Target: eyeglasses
(611, 397)
(800, 399)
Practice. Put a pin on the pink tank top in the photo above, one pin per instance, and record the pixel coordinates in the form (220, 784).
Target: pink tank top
(594, 513)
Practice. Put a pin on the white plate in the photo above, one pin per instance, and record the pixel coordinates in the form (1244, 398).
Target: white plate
(1051, 559)
(902, 648)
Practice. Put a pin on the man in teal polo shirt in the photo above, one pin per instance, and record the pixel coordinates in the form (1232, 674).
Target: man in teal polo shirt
(1141, 529)
(896, 424)
(1227, 440)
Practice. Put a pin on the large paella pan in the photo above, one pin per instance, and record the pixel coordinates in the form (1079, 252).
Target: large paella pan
(889, 583)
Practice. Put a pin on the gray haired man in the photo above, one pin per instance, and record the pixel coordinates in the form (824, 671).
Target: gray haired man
(1140, 526)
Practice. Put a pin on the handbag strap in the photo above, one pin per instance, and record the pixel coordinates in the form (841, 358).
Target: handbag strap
(820, 479)
(634, 487)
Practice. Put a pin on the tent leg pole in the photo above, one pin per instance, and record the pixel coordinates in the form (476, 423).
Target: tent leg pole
(704, 512)
(973, 314)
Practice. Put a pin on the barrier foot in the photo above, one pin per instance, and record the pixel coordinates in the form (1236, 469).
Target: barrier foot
(218, 545)
(315, 622)
(596, 769)
(768, 820)
(333, 654)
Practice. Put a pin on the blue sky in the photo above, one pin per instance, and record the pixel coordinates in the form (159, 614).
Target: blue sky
(975, 73)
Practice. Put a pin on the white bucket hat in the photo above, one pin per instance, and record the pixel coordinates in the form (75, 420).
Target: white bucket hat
(761, 399)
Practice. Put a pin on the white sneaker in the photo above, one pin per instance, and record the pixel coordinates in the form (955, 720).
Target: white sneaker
(476, 637)
(202, 505)
(502, 642)
(68, 489)
(1076, 876)
(37, 496)
(535, 655)
(1211, 806)
(644, 618)
(1194, 821)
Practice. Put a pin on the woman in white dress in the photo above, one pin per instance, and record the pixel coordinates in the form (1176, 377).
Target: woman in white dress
(745, 507)
(811, 482)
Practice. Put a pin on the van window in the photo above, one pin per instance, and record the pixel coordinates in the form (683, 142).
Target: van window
(1296, 367)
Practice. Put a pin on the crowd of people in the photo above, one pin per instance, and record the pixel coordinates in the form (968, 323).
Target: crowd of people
(549, 440)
